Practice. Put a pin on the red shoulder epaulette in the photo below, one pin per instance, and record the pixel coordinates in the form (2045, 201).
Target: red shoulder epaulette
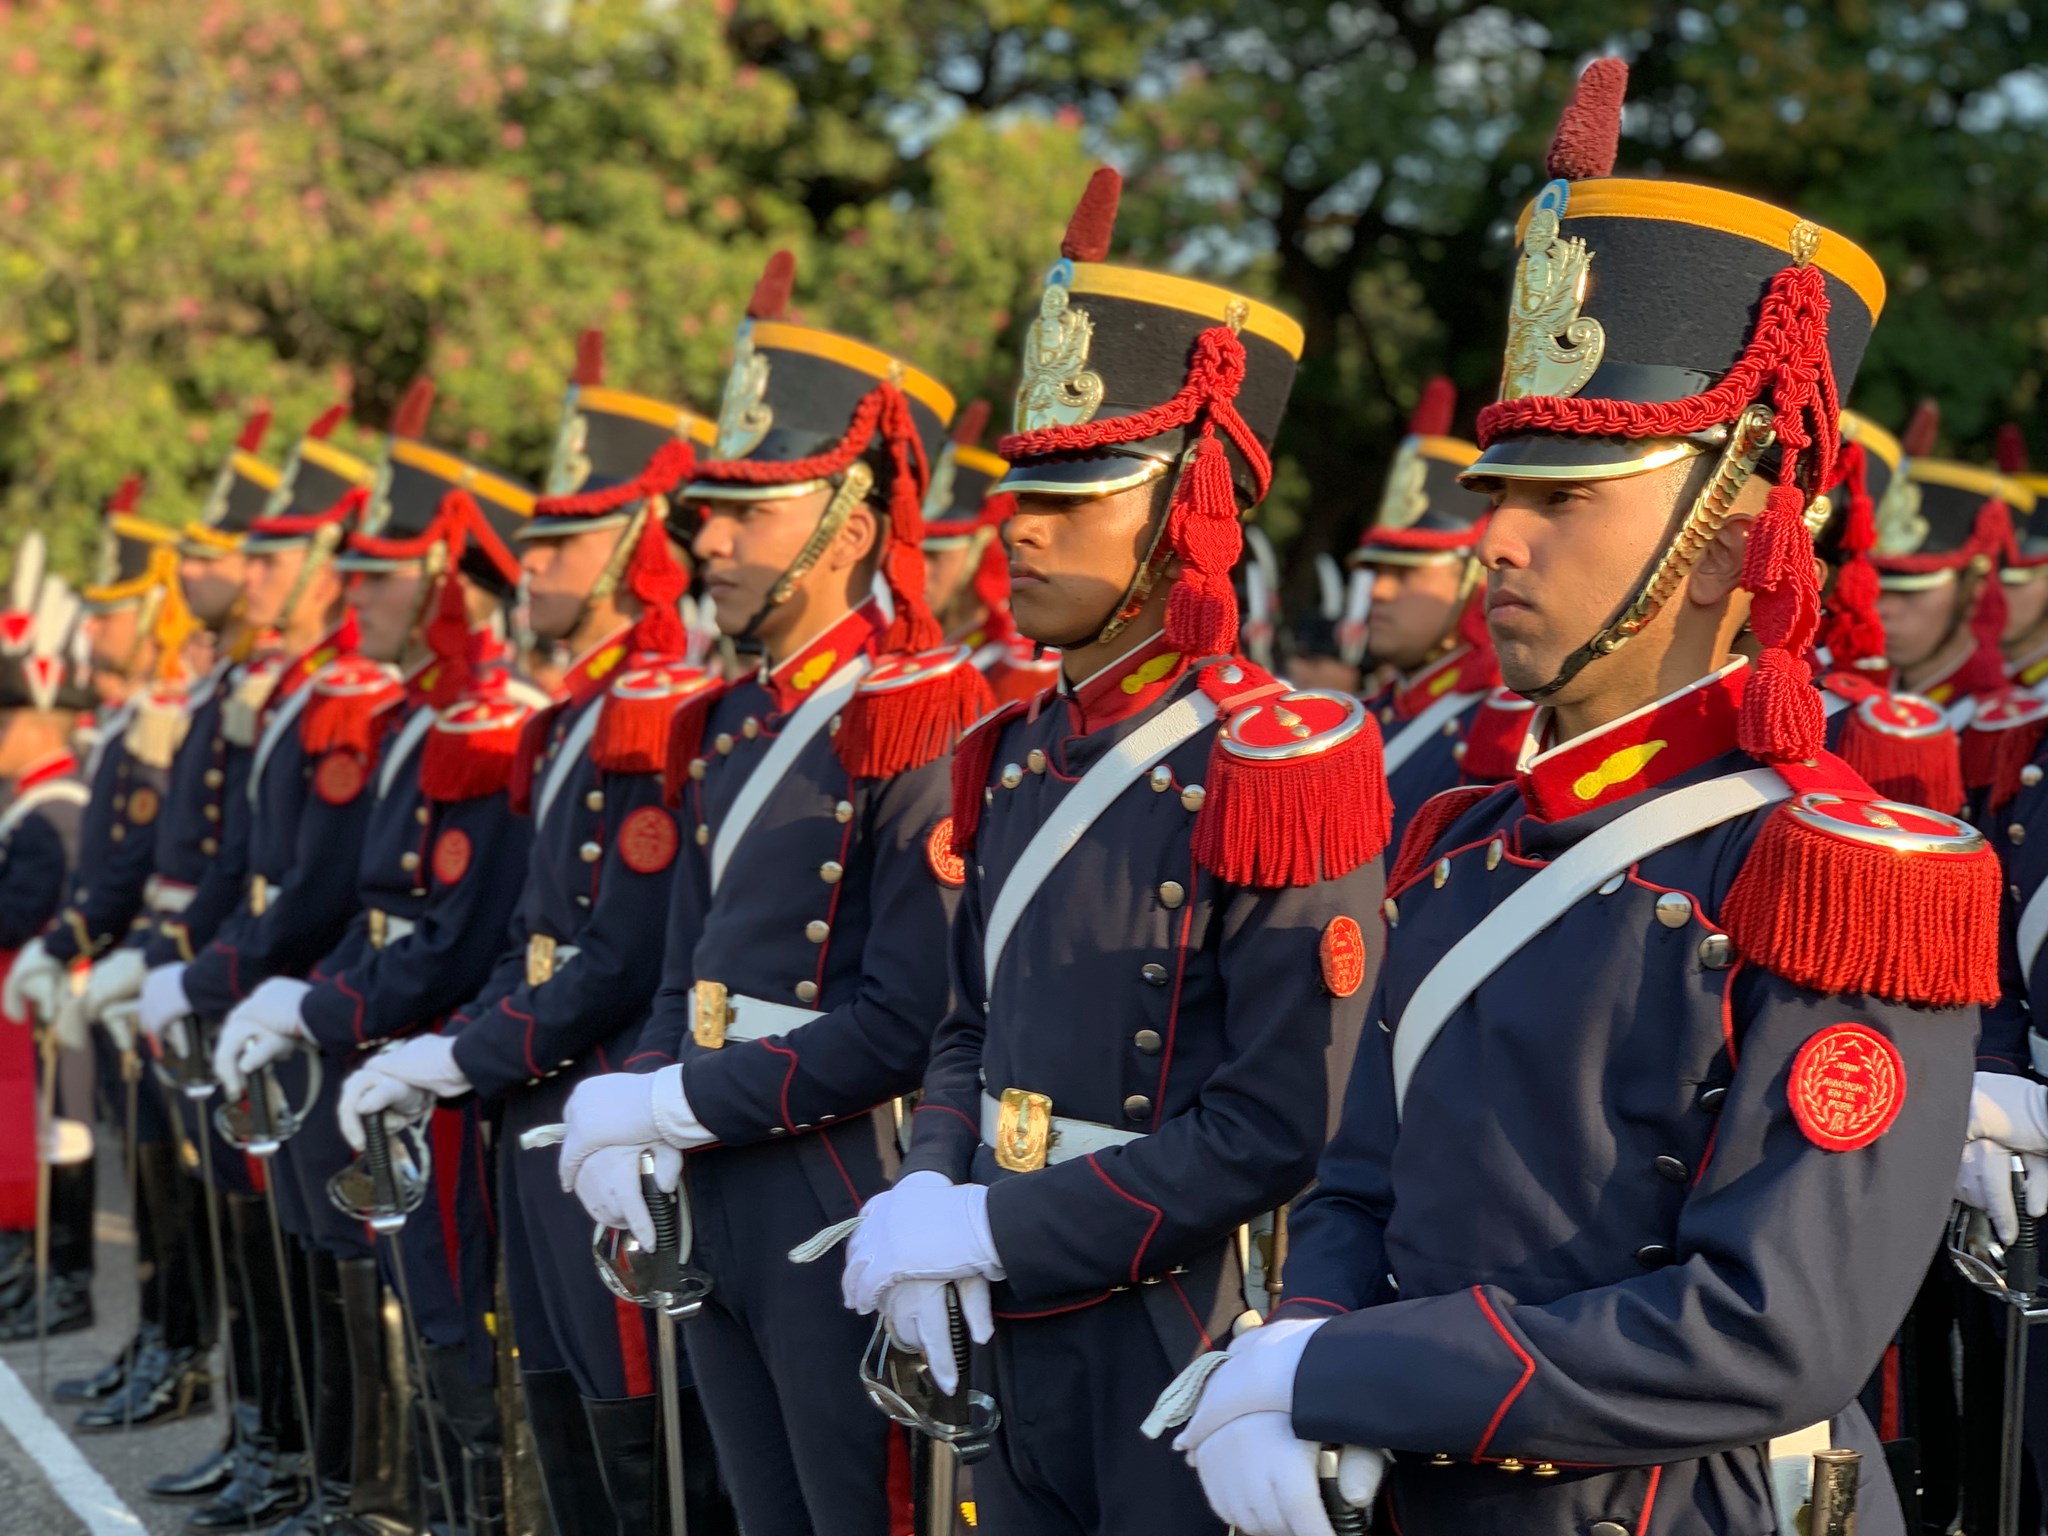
(474, 745)
(1846, 892)
(1429, 823)
(973, 755)
(633, 724)
(1901, 746)
(2001, 740)
(909, 710)
(1297, 783)
(686, 738)
(341, 715)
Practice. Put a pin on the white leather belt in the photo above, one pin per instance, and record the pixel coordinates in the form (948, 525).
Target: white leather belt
(167, 898)
(1025, 1135)
(721, 1017)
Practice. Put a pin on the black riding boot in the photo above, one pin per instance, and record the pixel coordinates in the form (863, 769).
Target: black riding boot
(569, 1467)
(627, 1432)
(71, 1258)
(381, 1480)
(323, 1324)
(267, 1470)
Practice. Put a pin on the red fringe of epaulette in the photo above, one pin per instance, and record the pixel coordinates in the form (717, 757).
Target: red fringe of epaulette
(972, 759)
(1994, 760)
(532, 746)
(686, 740)
(1431, 820)
(890, 732)
(1296, 821)
(1920, 770)
(632, 733)
(469, 765)
(345, 722)
(1817, 909)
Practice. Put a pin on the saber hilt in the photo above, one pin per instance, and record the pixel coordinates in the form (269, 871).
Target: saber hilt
(1346, 1518)
(386, 1212)
(262, 1123)
(663, 1208)
(953, 1405)
(2023, 1258)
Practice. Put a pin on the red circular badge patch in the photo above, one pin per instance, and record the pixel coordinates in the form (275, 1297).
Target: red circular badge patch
(950, 868)
(1848, 1084)
(647, 840)
(1342, 952)
(142, 805)
(340, 778)
(451, 856)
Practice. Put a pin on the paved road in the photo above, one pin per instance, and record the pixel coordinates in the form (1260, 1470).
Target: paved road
(29, 1500)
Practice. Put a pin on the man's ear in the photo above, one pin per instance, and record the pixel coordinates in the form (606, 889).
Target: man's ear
(1718, 571)
(856, 539)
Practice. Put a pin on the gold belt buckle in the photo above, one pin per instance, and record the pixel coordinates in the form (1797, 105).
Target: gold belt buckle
(259, 895)
(540, 959)
(1023, 1130)
(380, 924)
(713, 1016)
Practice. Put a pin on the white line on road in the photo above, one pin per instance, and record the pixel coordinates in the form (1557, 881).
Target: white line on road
(78, 1483)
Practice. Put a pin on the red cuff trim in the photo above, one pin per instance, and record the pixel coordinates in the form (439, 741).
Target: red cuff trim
(1158, 1216)
(1528, 1371)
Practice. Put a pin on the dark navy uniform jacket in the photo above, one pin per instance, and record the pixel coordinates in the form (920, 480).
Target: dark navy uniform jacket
(583, 891)
(1139, 992)
(1428, 722)
(117, 844)
(40, 834)
(2013, 816)
(833, 902)
(447, 870)
(1597, 1238)
(308, 811)
(202, 837)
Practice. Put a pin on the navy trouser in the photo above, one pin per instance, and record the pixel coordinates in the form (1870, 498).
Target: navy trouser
(313, 1155)
(152, 1117)
(1068, 1459)
(777, 1355)
(449, 1244)
(563, 1317)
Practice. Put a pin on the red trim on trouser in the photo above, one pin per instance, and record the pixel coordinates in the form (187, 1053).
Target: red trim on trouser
(632, 1324)
(446, 1132)
(898, 1485)
(1888, 1413)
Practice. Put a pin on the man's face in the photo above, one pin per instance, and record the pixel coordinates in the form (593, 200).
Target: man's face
(385, 602)
(1071, 559)
(1562, 556)
(559, 575)
(270, 578)
(1413, 610)
(112, 635)
(743, 547)
(2026, 605)
(212, 586)
(1918, 624)
(945, 568)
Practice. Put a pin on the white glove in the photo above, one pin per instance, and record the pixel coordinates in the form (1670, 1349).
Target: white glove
(608, 1184)
(116, 978)
(1260, 1478)
(118, 1020)
(614, 1110)
(916, 1313)
(163, 998)
(263, 1028)
(926, 1228)
(405, 1078)
(33, 984)
(1257, 1378)
(1985, 1181)
(2010, 1110)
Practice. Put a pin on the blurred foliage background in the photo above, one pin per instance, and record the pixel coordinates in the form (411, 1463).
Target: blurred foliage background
(210, 203)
